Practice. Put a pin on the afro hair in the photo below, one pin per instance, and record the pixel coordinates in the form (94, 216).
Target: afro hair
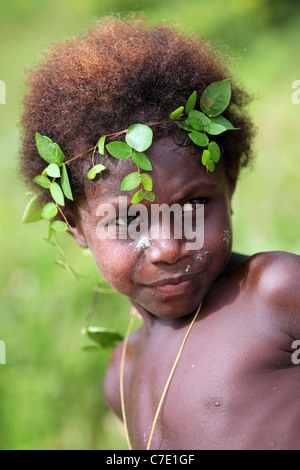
(119, 73)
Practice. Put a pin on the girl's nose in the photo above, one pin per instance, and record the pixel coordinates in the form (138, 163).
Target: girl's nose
(166, 251)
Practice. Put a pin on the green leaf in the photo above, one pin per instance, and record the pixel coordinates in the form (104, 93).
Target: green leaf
(199, 138)
(198, 120)
(101, 145)
(147, 182)
(49, 211)
(195, 123)
(91, 174)
(223, 122)
(119, 150)
(214, 129)
(99, 168)
(211, 166)
(103, 336)
(95, 170)
(59, 155)
(177, 113)
(48, 150)
(43, 144)
(216, 97)
(219, 125)
(138, 197)
(139, 137)
(191, 102)
(53, 170)
(32, 211)
(65, 183)
(149, 197)
(214, 151)
(131, 181)
(59, 226)
(185, 125)
(141, 160)
(57, 194)
(43, 181)
(206, 157)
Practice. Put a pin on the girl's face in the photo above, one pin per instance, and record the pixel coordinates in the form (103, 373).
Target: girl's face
(163, 276)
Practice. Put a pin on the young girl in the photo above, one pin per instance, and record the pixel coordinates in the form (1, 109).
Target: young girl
(211, 367)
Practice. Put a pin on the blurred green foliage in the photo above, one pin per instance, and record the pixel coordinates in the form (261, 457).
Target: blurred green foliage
(50, 390)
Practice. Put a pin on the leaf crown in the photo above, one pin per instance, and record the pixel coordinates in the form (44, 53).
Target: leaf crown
(138, 138)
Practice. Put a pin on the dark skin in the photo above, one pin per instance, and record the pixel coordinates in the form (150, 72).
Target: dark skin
(235, 386)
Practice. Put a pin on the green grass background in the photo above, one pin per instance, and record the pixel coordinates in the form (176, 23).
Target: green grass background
(50, 390)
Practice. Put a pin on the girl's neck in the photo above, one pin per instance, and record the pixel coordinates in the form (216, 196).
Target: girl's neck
(151, 321)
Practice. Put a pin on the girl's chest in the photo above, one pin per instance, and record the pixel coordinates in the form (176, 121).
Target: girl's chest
(215, 369)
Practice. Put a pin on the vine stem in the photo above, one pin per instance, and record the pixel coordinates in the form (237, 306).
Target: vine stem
(124, 348)
(63, 215)
(94, 151)
(171, 376)
(115, 134)
(80, 155)
(91, 311)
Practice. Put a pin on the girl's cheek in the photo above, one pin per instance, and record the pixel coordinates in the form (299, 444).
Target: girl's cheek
(226, 237)
(114, 261)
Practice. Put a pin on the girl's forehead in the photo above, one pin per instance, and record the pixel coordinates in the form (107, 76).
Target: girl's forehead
(177, 173)
(171, 164)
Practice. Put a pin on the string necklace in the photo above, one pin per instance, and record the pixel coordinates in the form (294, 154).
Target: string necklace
(124, 349)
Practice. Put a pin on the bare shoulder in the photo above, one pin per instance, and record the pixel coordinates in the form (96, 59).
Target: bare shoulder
(275, 273)
(274, 277)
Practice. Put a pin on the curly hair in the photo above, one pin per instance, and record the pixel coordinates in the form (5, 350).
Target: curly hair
(119, 73)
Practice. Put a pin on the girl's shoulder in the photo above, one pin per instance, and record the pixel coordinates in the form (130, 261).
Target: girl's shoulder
(272, 279)
(273, 273)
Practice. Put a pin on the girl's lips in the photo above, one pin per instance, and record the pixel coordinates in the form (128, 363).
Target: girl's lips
(175, 285)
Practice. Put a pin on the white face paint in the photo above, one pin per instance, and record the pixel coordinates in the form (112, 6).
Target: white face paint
(143, 243)
(226, 236)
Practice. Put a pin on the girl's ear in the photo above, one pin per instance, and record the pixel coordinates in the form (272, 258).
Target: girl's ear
(79, 236)
(74, 229)
(231, 188)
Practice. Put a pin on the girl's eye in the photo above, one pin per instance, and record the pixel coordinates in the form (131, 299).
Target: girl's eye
(123, 221)
(192, 204)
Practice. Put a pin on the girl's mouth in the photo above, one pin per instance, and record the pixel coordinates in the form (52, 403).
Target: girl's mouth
(175, 285)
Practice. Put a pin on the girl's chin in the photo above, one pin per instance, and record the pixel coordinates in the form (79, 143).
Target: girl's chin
(170, 309)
